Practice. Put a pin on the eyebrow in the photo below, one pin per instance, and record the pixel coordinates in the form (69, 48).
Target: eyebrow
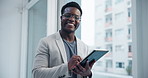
(71, 13)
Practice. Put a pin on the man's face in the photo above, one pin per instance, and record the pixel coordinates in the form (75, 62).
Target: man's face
(70, 19)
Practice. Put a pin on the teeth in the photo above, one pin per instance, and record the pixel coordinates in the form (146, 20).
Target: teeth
(70, 24)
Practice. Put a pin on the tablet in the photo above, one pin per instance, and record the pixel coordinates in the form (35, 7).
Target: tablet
(93, 56)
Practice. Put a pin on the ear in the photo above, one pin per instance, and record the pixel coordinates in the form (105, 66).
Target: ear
(80, 20)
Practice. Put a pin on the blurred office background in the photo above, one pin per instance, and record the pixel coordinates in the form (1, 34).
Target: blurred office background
(117, 25)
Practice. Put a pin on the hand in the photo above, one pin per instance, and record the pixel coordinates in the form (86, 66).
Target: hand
(78, 69)
(74, 60)
(91, 63)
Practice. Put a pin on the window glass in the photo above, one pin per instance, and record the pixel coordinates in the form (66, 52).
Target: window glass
(108, 5)
(108, 35)
(119, 16)
(129, 14)
(119, 64)
(108, 19)
(119, 33)
(109, 64)
(128, 2)
(37, 20)
(119, 48)
(111, 31)
(106, 24)
(129, 33)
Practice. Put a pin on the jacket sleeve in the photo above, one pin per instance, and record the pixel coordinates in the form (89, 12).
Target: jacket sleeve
(41, 68)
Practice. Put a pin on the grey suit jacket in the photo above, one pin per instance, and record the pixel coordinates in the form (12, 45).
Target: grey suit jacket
(51, 59)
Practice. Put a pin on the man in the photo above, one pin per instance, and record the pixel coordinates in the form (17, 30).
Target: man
(59, 55)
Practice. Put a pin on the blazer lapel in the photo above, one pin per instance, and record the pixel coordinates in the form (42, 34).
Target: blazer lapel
(80, 49)
(61, 47)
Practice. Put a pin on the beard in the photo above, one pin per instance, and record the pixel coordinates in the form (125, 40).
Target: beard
(68, 31)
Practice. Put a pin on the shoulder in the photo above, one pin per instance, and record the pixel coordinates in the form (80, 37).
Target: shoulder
(48, 39)
(80, 42)
(83, 45)
(52, 37)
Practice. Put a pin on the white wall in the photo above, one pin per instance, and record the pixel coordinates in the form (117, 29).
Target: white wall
(10, 38)
(140, 38)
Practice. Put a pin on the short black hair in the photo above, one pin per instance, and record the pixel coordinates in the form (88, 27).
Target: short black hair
(71, 4)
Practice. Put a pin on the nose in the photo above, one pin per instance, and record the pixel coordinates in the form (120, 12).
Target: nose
(72, 18)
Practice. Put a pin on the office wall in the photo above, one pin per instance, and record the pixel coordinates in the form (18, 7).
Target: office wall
(10, 38)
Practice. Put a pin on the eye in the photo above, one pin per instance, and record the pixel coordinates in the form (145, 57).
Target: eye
(77, 17)
(67, 15)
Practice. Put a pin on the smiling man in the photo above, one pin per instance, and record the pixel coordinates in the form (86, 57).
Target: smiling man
(59, 55)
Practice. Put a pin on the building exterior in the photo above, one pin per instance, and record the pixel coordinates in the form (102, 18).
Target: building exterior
(113, 31)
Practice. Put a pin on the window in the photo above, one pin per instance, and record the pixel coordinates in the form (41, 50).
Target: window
(109, 47)
(119, 64)
(108, 35)
(130, 62)
(99, 63)
(130, 50)
(108, 20)
(129, 14)
(108, 63)
(108, 5)
(143, 52)
(99, 22)
(119, 48)
(118, 1)
(119, 33)
(129, 2)
(37, 20)
(119, 17)
(129, 33)
(129, 30)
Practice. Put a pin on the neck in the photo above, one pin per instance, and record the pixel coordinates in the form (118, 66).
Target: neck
(70, 37)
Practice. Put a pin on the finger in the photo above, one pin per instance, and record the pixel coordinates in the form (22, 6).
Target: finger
(72, 62)
(77, 71)
(92, 63)
(81, 68)
(74, 71)
(74, 56)
(81, 73)
(87, 65)
(78, 58)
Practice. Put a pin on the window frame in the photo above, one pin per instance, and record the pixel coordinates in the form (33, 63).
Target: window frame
(51, 28)
(139, 40)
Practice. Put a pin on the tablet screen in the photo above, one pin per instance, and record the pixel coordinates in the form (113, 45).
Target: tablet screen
(93, 56)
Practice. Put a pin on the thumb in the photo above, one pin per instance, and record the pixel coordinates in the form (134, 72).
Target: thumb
(87, 65)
